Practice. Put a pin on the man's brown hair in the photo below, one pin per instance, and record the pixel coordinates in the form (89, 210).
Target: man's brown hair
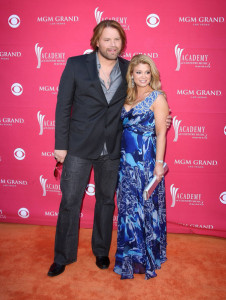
(97, 31)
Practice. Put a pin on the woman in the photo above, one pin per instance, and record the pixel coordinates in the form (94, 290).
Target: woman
(141, 242)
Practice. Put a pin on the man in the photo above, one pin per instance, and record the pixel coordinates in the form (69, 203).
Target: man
(91, 94)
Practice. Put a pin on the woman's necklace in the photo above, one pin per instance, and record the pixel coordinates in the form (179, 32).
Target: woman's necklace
(141, 98)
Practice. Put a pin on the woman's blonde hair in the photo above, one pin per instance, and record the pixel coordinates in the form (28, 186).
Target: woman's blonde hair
(155, 83)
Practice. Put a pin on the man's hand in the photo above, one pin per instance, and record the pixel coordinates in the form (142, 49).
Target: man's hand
(168, 120)
(60, 155)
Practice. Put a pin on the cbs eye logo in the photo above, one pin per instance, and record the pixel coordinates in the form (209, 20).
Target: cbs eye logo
(90, 189)
(223, 197)
(17, 89)
(19, 154)
(23, 213)
(14, 21)
(153, 20)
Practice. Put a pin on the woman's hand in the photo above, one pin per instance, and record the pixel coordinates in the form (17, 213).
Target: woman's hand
(159, 171)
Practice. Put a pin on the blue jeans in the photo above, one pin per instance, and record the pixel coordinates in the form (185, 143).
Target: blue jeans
(74, 179)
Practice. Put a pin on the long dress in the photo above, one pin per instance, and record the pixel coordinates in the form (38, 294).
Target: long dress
(141, 241)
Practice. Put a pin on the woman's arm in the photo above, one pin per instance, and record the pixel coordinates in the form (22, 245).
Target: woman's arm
(161, 111)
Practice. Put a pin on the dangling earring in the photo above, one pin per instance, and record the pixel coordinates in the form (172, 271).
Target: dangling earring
(132, 84)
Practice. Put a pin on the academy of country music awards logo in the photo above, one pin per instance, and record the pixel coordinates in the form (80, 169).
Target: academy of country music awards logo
(100, 16)
(199, 93)
(201, 21)
(58, 20)
(185, 198)
(7, 121)
(196, 163)
(56, 58)
(14, 21)
(195, 132)
(50, 187)
(44, 124)
(184, 57)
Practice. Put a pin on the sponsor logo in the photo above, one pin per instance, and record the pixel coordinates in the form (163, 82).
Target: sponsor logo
(195, 132)
(56, 58)
(196, 163)
(2, 216)
(199, 226)
(88, 51)
(153, 20)
(58, 20)
(17, 89)
(23, 213)
(121, 20)
(201, 21)
(44, 125)
(204, 94)
(48, 89)
(186, 58)
(19, 154)
(90, 189)
(14, 21)
(6, 55)
(223, 197)
(11, 121)
(13, 182)
(51, 214)
(55, 214)
(129, 55)
(48, 187)
(225, 130)
(185, 198)
(47, 154)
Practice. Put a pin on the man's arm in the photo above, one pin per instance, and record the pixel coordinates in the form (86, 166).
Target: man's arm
(63, 111)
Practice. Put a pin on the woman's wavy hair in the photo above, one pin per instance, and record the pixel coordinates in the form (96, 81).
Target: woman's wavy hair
(97, 31)
(155, 83)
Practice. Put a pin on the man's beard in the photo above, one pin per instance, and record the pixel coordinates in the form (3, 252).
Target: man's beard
(109, 56)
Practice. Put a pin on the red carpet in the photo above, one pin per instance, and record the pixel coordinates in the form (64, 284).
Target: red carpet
(196, 269)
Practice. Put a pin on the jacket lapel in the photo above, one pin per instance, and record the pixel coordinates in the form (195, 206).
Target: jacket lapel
(93, 74)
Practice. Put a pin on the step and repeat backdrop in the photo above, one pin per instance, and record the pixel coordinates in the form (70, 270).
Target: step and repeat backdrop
(187, 41)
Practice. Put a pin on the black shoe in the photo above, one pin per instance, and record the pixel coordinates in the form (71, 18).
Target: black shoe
(55, 270)
(102, 262)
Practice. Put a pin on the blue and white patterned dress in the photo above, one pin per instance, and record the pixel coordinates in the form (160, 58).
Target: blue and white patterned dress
(141, 242)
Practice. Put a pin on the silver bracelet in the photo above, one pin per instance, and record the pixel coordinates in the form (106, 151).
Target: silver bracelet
(160, 161)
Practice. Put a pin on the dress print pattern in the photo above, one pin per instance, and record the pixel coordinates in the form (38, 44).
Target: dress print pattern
(141, 241)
